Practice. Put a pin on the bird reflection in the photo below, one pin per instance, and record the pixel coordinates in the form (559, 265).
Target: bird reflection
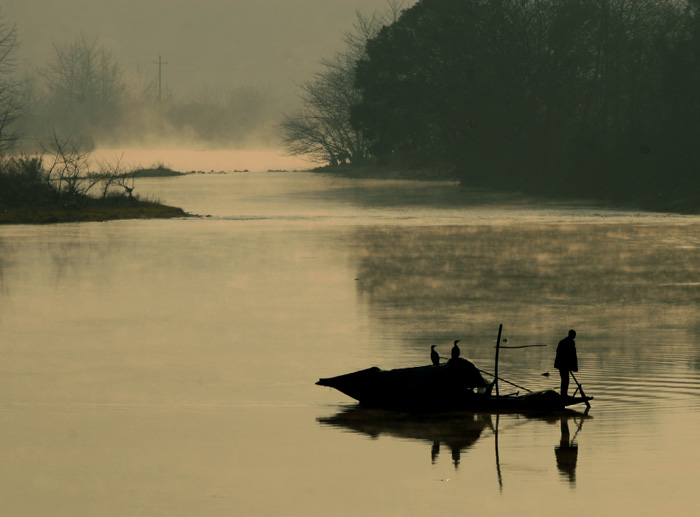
(458, 431)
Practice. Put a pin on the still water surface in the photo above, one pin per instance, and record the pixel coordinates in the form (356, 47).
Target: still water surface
(168, 367)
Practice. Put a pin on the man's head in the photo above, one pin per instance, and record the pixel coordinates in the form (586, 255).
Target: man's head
(572, 334)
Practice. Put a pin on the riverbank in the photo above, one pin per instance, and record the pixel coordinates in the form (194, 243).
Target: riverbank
(661, 202)
(94, 211)
(389, 173)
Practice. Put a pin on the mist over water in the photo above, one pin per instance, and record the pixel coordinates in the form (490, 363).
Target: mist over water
(187, 159)
(169, 366)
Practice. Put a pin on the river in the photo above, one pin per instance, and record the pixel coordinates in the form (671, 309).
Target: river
(167, 367)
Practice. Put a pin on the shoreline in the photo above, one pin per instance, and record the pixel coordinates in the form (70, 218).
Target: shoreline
(680, 206)
(96, 212)
(385, 173)
(102, 210)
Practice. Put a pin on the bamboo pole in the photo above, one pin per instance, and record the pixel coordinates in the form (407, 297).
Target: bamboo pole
(505, 380)
(522, 346)
(498, 348)
(588, 404)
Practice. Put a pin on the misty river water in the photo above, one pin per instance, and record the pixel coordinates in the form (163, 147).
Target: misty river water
(168, 367)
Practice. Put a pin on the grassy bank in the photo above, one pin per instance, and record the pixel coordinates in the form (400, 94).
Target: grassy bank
(95, 210)
(62, 186)
(154, 172)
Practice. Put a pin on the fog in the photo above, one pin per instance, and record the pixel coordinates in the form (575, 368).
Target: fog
(266, 43)
(247, 57)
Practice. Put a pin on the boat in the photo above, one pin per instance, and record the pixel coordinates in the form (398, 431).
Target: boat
(453, 386)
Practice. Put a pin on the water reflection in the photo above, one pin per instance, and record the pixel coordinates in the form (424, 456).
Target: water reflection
(458, 432)
(566, 452)
(372, 193)
(57, 255)
(4, 261)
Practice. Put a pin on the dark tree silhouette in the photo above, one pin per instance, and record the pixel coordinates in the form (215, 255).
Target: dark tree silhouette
(553, 96)
(322, 130)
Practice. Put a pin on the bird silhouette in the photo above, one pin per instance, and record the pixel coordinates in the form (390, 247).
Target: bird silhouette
(434, 356)
(455, 350)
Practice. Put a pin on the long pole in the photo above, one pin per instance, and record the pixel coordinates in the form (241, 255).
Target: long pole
(498, 460)
(498, 348)
(522, 346)
(588, 404)
(505, 380)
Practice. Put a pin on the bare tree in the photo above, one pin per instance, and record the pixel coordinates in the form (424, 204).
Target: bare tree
(321, 130)
(85, 83)
(10, 103)
(111, 173)
(68, 172)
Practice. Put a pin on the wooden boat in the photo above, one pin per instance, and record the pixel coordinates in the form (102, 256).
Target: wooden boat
(454, 386)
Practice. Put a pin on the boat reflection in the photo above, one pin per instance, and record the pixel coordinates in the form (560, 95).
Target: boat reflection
(456, 431)
(459, 431)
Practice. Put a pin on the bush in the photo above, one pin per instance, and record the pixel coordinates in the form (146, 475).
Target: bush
(61, 177)
(23, 182)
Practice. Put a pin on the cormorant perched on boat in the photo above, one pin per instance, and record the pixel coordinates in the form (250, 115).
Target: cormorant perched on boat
(434, 356)
(455, 350)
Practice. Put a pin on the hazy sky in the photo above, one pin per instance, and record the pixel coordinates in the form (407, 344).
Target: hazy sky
(271, 43)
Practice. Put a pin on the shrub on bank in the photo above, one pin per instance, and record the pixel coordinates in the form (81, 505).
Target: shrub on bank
(60, 186)
(23, 183)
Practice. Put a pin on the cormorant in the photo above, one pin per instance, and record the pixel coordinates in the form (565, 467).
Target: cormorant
(455, 350)
(434, 356)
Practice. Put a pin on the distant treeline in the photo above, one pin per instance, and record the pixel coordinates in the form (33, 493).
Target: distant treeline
(83, 91)
(594, 98)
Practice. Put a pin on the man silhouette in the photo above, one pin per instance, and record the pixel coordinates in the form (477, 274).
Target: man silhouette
(566, 360)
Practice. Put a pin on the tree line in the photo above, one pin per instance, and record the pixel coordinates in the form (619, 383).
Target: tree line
(575, 97)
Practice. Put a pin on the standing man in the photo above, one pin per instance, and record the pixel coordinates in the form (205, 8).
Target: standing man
(566, 360)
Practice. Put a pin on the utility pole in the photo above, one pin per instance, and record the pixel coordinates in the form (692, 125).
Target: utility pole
(160, 64)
